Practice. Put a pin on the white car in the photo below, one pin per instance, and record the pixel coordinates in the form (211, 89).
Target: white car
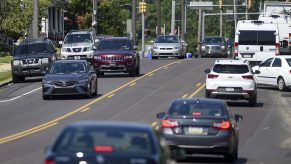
(274, 71)
(231, 79)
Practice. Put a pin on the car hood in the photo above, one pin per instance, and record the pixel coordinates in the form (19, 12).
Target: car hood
(112, 52)
(69, 45)
(65, 77)
(167, 44)
(31, 56)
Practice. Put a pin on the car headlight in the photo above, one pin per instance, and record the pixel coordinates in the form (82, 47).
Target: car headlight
(223, 47)
(83, 81)
(203, 47)
(47, 82)
(176, 48)
(155, 47)
(87, 48)
(16, 62)
(66, 50)
(45, 60)
(97, 57)
(128, 57)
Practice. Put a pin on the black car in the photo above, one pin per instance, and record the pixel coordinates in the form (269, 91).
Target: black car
(70, 77)
(201, 126)
(32, 58)
(108, 143)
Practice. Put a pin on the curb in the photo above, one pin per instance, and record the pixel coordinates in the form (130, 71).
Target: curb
(5, 83)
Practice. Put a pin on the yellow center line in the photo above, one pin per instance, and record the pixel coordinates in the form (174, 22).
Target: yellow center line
(166, 67)
(198, 84)
(154, 124)
(111, 95)
(151, 75)
(185, 95)
(56, 120)
(86, 109)
(132, 84)
(197, 91)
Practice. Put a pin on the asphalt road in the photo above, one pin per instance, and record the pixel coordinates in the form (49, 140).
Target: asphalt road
(28, 124)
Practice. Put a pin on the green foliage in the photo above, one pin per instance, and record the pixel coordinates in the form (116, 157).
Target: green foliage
(5, 76)
(5, 59)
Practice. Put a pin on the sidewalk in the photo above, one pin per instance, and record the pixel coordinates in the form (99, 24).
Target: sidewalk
(5, 67)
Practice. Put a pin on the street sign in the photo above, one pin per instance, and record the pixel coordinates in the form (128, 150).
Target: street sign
(201, 5)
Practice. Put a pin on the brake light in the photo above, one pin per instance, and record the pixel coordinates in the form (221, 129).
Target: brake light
(197, 114)
(236, 49)
(277, 50)
(212, 76)
(248, 77)
(224, 125)
(170, 124)
(103, 148)
(290, 71)
(289, 38)
(49, 162)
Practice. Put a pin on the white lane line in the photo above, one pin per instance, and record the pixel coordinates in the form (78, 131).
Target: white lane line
(17, 97)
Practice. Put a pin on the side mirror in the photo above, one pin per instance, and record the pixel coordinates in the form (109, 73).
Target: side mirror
(285, 44)
(135, 47)
(94, 48)
(238, 117)
(161, 115)
(257, 72)
(60, 42)
(207, 71)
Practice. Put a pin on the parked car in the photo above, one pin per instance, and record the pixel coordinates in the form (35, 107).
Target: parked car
(108, 143)
(70, 77)
(274, 71)
(33, 57)
(79, 45)
(214, 46)
(169, 46)
(231, 79)
(117, 54)
(201, 126)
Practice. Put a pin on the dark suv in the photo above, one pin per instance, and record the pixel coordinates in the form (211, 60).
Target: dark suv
(32, 58)
(116, 54)
(214, 46)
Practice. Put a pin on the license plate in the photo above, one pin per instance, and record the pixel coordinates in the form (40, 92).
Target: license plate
(112, 63)
(77, 57)
(247, 56)
(195, 130)
(229, 89)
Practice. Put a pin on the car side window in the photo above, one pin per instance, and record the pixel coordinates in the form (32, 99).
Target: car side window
(277, 63)
(266, 63)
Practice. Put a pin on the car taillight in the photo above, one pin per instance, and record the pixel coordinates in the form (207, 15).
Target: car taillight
(103, 148)
(289, 39)
(170, 124)
(224, 125)
(290, 71)
(248, 77)
(236, 49)
(212, 76)
(49, 162)
(277, 51)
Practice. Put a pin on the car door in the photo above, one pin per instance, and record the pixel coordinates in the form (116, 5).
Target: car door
(275, 70)
(264, 75)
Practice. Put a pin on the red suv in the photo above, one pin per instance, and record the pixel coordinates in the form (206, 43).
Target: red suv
(116, 54)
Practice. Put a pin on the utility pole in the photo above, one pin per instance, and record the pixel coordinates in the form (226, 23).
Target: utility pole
(35, 19)
(159, 17)
(94, 20)
(221, 23)
(173, 17)
(183, 19)
(234, 11)
(133, 23)
(199, 31)
(246, 4)
(143, 28)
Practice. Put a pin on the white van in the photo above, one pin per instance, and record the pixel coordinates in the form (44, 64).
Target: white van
(256, 41)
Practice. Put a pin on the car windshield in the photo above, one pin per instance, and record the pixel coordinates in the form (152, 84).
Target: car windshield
(213, 41)
(167, 39)
(229, 68)
(194, 108)
(78, 38)
(114, 45)
(68, 68)
(92, 140)
(32, 49)
(288, 61)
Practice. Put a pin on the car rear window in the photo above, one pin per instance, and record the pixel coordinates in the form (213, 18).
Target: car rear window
(117, 140)
(288, 61)
(192, 108)
(247, 37)
(232, 69)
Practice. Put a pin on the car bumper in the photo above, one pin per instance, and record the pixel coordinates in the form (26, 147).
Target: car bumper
(118, 66)
(231, 95)
(77, 55)
(77, 89)
(166, 53)
(30, 71)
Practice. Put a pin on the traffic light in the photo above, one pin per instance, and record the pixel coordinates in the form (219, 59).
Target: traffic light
(221, 4)
(142, 7)
(249, 4)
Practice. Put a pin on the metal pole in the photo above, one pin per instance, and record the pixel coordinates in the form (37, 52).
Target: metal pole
(173, 17)
(234, 11)
(203, 25)
(220, 23)
(159, 17)
(35, 19)
(246, 3)
(133, 22)
(183, 19)
(185, 30)
(143, 27)
(94, 20)
(199, 32)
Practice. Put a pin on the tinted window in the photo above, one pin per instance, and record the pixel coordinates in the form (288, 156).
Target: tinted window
(247, 37)
(167, 39)
(68, 68)
(193, 108)
(277, 63)
(78, 38)
(215, 40)
(32, 49)
(266, 63)
(114, 45)
(266, 38)
(288, 61)
(119, 140)
(228, 68)
(257, 37)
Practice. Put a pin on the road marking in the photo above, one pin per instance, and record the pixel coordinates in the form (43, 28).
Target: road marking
(132, 84)
(22, 134)
(178, 62)
(86, 109)
(166, 67)
(197, 85)
(150, 75)
(17, 97)
(56, 120)
(185, 95)
(111, 95)
(197, 91)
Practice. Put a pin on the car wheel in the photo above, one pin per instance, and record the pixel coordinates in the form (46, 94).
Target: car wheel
(132, 72)
(89, 94)
(281, 84)
(155, 57)
(231, 156)
(17, 79)
(207, 94)
(96, 89)
(99, 74)
(253, 100)
(45, 97)
(138, 70)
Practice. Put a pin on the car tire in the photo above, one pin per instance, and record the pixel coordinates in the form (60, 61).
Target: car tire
(253, 100)
(45, 97)
(137, 70)
(281, 84)
(96, 89)
(207, 94)
(232, 155)
(100, 74)
(89, 94)
(132, 72)
(17, 79)
(155, 57)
